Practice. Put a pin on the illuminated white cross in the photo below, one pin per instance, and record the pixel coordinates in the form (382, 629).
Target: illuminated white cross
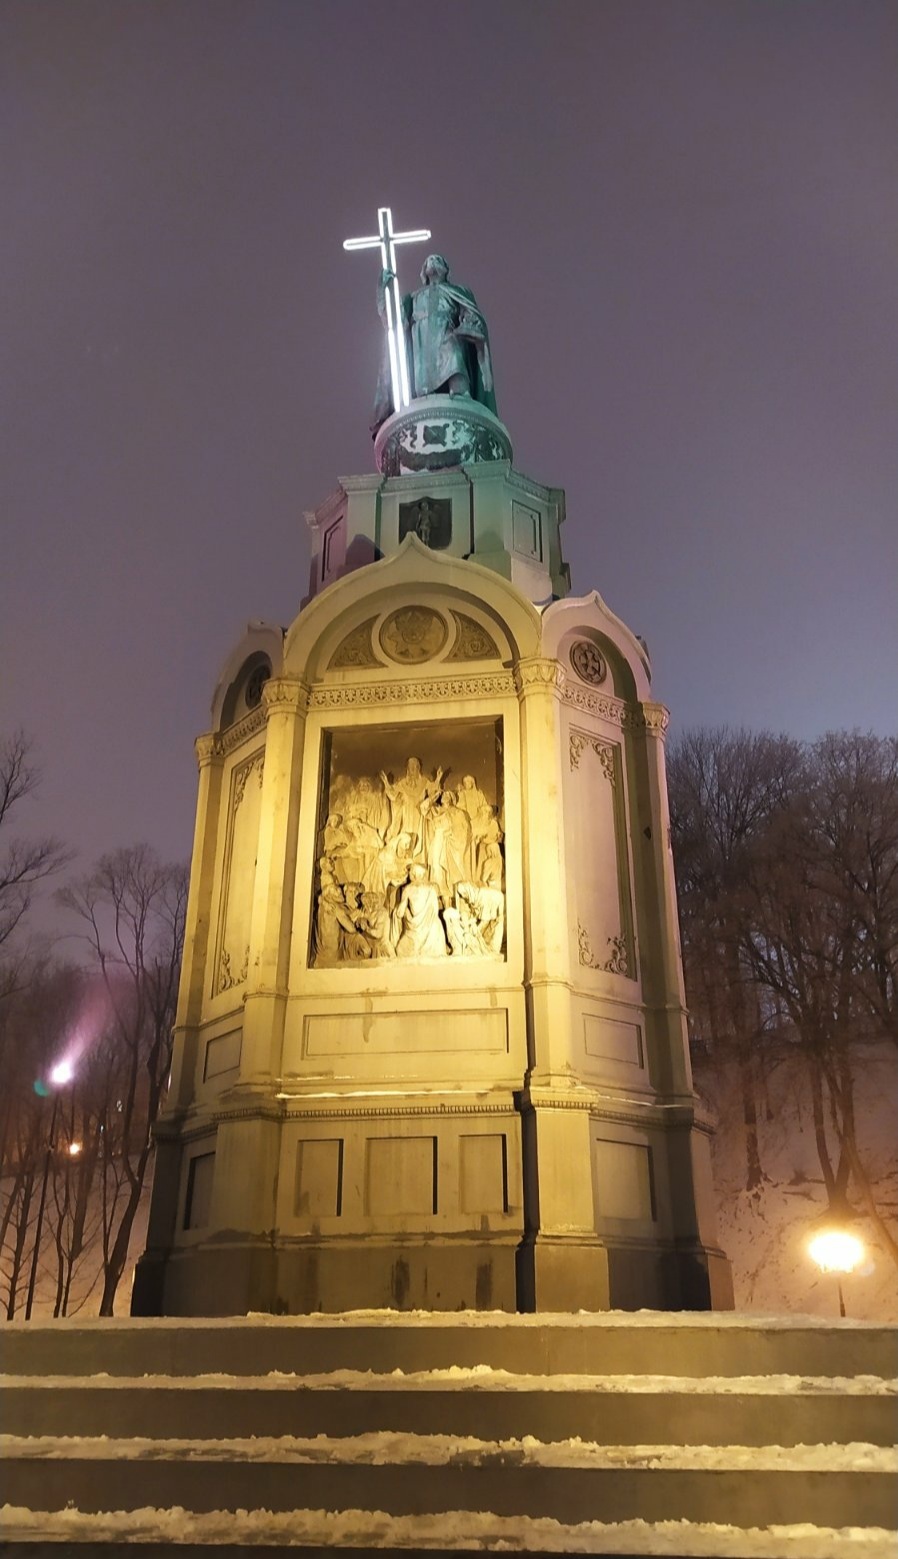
(385, 240)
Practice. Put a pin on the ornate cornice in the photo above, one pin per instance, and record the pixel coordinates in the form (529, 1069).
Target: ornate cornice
(237, 734)
(432, 690)
(283, 694)
(604, 705)
(217, 744)
(622, 1112)
(333, 1110)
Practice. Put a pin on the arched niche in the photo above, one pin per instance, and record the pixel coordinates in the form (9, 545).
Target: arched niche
(253, 660)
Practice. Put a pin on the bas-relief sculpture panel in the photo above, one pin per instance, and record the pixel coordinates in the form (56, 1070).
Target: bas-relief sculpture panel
(596, 832)
(411, 845)
(238, 873)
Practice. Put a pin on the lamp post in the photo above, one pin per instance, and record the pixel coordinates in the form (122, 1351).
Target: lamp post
(61, 1073)
(836, 1250)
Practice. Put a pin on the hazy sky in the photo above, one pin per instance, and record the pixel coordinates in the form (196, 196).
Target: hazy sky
(679, 218)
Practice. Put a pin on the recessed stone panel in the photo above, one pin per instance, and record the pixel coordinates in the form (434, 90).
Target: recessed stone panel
(222, 1055)
(482, 1173)
(198, 1201)
(319, 1177)
(401, 1176)
(405, 1033)
(623, 1180)
(607, 1039)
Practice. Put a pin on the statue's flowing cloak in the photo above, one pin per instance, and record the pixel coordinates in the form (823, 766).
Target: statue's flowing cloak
(446, 334)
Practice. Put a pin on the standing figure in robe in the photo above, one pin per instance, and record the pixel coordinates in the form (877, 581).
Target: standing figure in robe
(449, 351)
(409, 800)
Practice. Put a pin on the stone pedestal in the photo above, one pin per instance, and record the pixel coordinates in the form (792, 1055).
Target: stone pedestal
(431, 1046)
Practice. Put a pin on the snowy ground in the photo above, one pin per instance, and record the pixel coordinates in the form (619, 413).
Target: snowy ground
(449, 1530)
(765, 1232)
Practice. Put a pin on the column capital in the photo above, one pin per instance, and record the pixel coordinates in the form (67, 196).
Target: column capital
(539, 674)
(285, 695)
(206, 748)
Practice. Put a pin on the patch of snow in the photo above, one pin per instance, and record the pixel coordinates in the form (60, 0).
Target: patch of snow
(477, 1377)
(388, 1447)
(460, 1529)
(631, 1320)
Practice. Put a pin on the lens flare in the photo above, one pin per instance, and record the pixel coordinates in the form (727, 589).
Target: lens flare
(835, 1250)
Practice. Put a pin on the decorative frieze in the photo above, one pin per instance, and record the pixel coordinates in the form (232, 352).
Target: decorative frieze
(433, 690)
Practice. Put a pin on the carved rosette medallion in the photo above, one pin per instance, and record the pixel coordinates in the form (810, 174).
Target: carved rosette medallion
(413, 634)
(588, 662)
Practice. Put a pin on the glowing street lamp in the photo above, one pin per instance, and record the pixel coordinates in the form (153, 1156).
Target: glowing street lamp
(836, 1250)
(386, 240)
(59, 1075)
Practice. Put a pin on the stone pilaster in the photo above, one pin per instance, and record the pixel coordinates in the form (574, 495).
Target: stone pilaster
(286, 702)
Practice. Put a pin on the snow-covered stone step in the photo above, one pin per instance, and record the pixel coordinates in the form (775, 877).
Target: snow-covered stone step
(611, 1343)
(184, 1534)
(623, 1410)
(571, 1481)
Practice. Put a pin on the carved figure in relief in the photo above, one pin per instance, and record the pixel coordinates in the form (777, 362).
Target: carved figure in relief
(461, 929)
(375, 924)
(489, 842)
(487, 906)
(355, 943)
(407, 797)
(332, 925)
(411, 869)
(417, 919)
(470, 797)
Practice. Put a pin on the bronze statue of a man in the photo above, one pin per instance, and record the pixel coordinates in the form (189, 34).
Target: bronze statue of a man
(447, 339)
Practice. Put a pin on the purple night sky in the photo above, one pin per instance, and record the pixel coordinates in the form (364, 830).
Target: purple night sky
(679, 219)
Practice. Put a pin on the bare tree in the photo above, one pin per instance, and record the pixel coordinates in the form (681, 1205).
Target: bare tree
(726, 786)
(23, 862)
(131, 908)
(820, 944)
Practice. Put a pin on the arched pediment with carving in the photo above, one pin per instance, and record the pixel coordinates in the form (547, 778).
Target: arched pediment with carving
(599, 655)
(388, 620)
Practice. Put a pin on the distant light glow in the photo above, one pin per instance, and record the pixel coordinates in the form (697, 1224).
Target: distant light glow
(75, 1148)
(835, 1250)
(62, 1072)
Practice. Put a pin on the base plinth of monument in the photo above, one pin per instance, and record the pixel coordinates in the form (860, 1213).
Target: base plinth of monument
(437, 433)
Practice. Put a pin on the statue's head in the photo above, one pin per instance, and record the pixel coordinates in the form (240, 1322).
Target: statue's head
(413, 767)
(434, 269)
